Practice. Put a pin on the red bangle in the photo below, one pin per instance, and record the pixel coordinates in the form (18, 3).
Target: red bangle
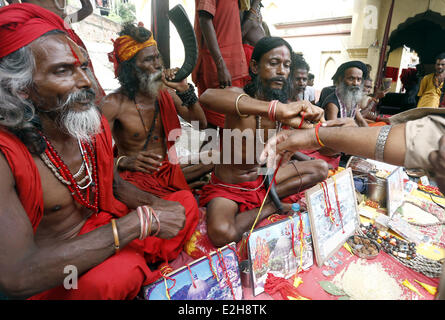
(317, 127)
(272, 110)
(302, 119)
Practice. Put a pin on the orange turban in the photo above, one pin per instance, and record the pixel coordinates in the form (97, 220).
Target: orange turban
(125, 48)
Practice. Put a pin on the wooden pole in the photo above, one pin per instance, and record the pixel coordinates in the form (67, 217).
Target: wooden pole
(160, 26)
(382, 63)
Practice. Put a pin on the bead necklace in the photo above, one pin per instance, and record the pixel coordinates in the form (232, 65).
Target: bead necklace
(65, 175)
(258, 127)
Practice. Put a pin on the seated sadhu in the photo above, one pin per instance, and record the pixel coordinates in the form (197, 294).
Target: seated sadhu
(143, 115)
(236, 191)
(56, 163)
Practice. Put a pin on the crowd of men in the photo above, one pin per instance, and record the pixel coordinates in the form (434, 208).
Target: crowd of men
(88, 179)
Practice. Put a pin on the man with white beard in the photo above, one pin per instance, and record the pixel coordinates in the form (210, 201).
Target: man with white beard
(144, 111)
(70, 228)
(345, 101)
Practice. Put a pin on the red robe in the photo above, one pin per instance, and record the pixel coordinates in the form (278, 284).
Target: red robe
(122, 275)
(226, 22)
(170, 177)
(247, 200)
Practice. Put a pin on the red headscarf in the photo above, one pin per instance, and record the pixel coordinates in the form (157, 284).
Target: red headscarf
(22, 23)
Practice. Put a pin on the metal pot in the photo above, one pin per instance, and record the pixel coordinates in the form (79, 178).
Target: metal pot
(377, 189)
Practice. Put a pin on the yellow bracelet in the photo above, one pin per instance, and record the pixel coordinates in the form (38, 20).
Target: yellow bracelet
(116, 236)
(119, 159)
(237, 106)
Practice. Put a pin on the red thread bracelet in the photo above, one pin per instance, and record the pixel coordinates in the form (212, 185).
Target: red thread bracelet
(272, 110)
(302, 119)
(317, 127)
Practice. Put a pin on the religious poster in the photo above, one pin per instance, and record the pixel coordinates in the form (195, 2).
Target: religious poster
(216, 277)
(333, 214)
(395, 192)
(280, 248)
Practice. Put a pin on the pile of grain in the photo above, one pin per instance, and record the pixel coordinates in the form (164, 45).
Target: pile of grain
(364, 280)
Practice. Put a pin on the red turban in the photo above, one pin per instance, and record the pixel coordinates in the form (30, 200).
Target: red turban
(22, 23)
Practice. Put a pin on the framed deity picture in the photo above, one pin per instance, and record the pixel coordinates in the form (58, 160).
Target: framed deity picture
(333, 214)
(213, 277)
(394, 191)
(280, 248)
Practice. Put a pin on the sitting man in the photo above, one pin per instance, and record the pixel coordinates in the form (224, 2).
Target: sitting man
(58, 207)
(142, 113)
(236, 191)
(348, 94)
(300, 71)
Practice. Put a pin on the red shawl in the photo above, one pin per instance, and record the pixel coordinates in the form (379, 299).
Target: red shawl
(28, 182)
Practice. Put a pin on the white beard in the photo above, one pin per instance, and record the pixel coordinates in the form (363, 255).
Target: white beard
(82, 124)
(149, 84)
(350, 96)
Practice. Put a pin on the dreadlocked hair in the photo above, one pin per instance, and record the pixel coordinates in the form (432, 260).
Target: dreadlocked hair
(137, 32)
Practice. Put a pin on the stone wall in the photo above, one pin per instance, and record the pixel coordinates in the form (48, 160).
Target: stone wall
(96, 32)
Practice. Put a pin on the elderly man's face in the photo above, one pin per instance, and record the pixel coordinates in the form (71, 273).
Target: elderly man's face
(149, 68)
(62, 88)
(353, 77)
(274, 67)
(59, 73)
(367, 87)
(149, 60)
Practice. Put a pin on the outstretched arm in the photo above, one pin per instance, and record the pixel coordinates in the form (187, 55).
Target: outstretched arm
(224, 101)
(358, 141)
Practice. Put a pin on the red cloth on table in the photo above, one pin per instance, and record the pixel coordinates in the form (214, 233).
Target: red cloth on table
(114, 278)
(247, 200)
(227, 27)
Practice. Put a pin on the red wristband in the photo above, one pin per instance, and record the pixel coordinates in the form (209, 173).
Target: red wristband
(302, 119)
(273, 110)
(317, 128)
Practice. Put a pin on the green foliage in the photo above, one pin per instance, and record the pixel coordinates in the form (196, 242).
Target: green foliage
(124, 12)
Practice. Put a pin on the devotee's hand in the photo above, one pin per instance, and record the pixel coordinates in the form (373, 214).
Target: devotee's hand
(292, 114)
(224, 76)
(437, 160)
(171, 216)
(282, 146)
(168, 75)
(144, 161)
